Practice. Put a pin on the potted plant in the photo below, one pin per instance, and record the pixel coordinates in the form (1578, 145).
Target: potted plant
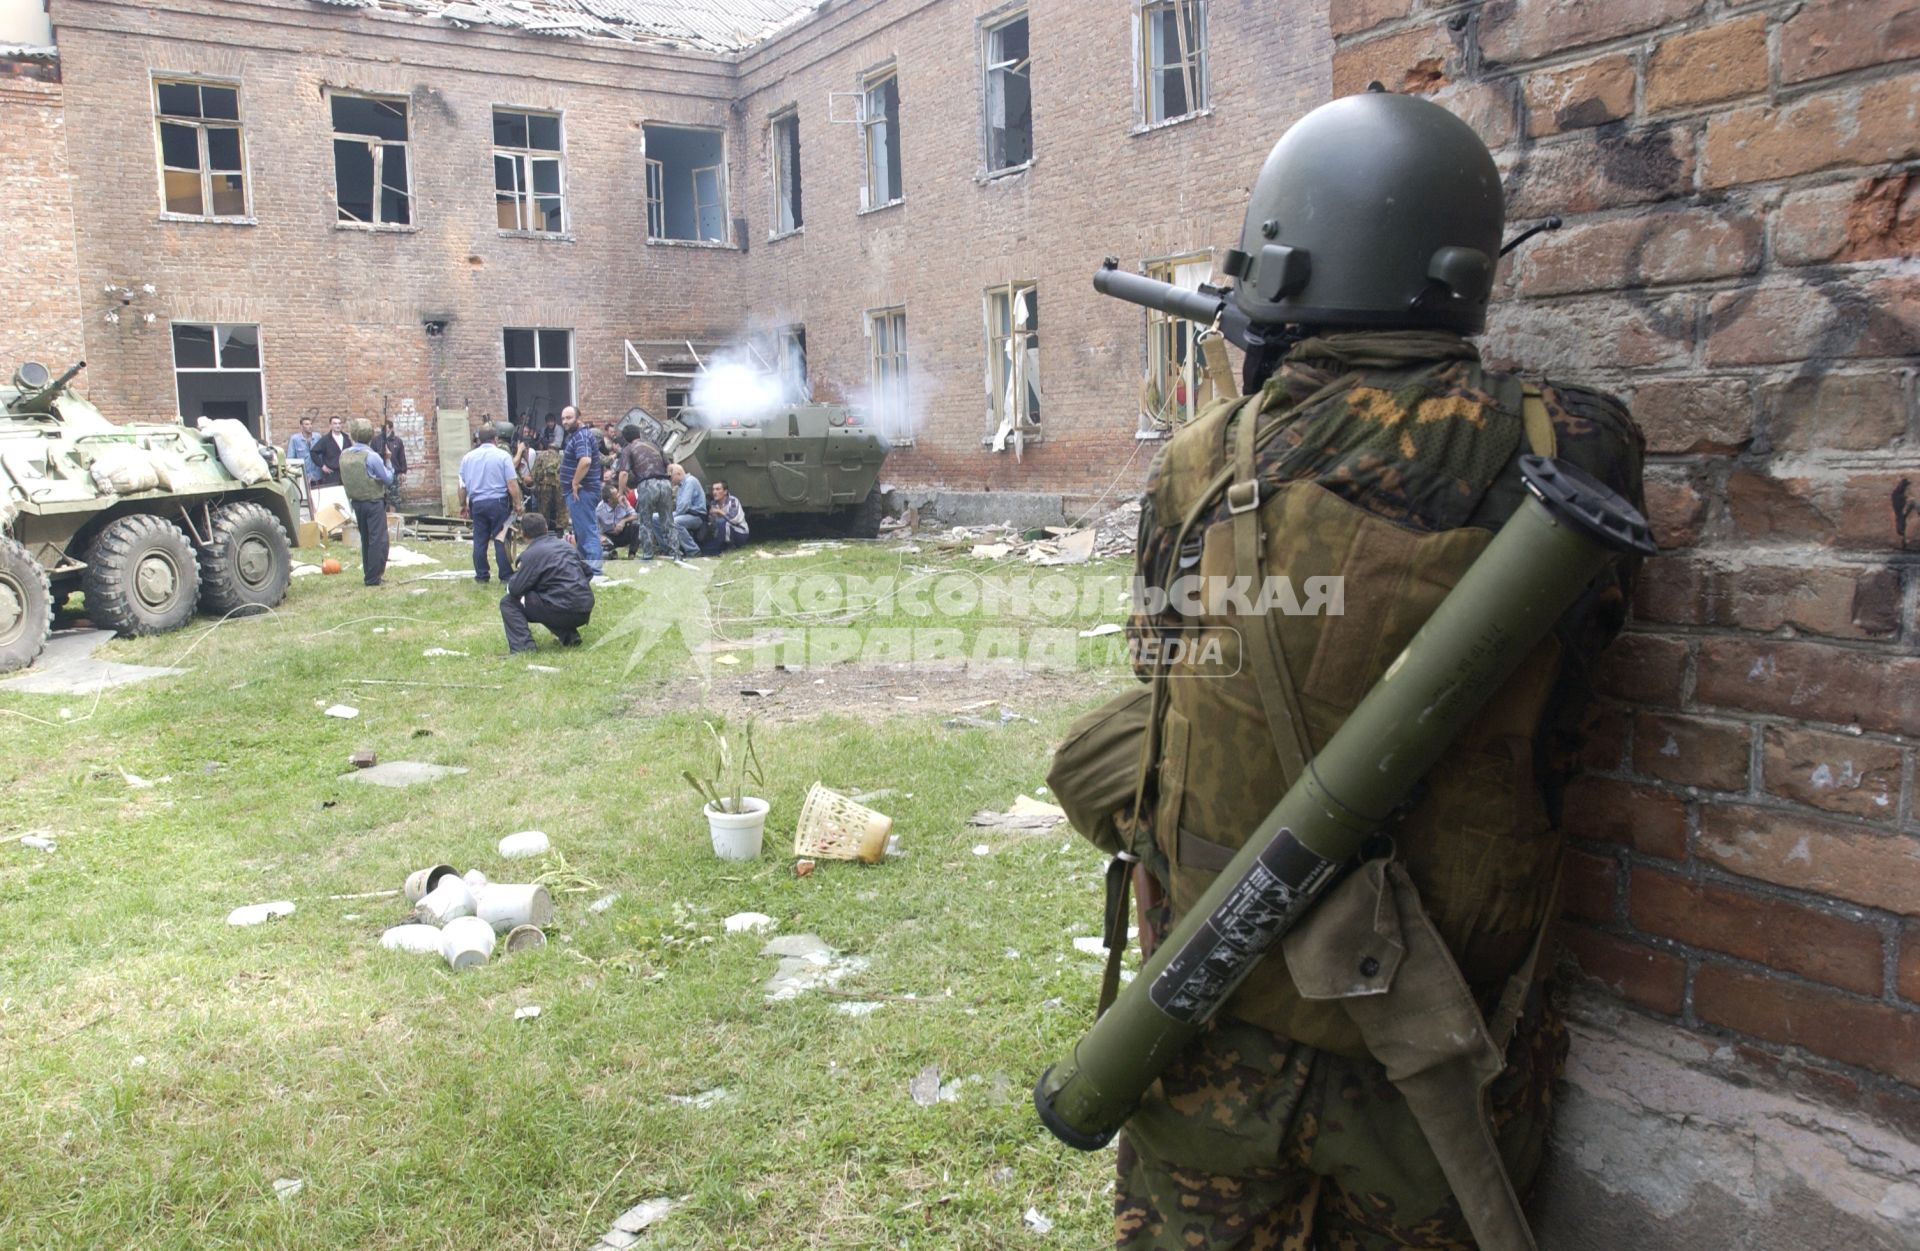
(735, 820)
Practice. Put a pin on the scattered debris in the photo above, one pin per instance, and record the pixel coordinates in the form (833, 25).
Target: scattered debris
(529, 1013)
(420, 881)
(137, 783)
(924, 1086)
(67, 667)
(806, 963)
(285, 1188)
(1025, 814)
(1036, 1222)
(422, 939)
(804, 868)
(991, 551)
(39, 842)
(345, 712)
(1102, 630)
(441, 651)
(1096, 945)
(543, 669)
(981, 849)
(401, 773)
(445, 575)
(602, 580)
(749, 923)
(302, 569)
(449, 899)
(363, 759)
(254, 914)
(834, 827)
(857, 1007)
(705, 1099)
(466, 942)
(525, 938)
(634, 1221)
(525, 844)
(401, 557)
(604, 902)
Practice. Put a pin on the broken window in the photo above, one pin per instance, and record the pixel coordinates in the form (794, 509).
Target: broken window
(790, 362)
(1173, 36)
(1013, 360)
(880, 131)
(887, 335)
(785, 136)
(1174, 372)
(539, 374)
(529, 179)
(686, 184)
(370, 175)
(679, 401)
(202, 158)
(1009, 96)
(216, 374)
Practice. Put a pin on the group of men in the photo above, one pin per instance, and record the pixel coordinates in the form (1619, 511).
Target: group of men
(321, 454)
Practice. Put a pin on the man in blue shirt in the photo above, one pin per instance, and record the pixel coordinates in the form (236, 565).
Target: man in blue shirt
(300, 448)
(689, 509)
(580, 483)
(489, 497)
(366, 477)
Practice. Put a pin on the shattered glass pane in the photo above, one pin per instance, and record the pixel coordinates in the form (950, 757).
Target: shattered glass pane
(179, 146)
(192, 346)
(239, 346)
(183, 192)
(353, 179)
(358, 115)
(179, 99)
(395, 205)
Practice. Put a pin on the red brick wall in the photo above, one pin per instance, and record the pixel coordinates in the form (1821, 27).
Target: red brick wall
(42, 321)
(1742, 211)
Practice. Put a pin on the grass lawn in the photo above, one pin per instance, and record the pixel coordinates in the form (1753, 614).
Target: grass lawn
(160, 1070)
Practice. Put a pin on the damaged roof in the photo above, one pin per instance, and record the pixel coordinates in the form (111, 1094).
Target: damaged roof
(709, 25)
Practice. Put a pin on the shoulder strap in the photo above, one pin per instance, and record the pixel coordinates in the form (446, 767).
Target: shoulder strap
(1534, 416)
(1259, 639)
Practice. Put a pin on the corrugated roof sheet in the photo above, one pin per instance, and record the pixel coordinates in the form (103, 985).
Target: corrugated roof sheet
(711, 25)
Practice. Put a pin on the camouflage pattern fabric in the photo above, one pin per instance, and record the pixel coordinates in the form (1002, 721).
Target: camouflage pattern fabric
(546, 488)
(1251, 1143)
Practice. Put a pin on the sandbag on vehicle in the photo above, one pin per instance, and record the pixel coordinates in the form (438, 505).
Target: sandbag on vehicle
(123, 469)
(237, 449)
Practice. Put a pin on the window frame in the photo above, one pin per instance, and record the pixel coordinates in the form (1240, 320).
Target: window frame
(989, 28)
(654, 189)
(1196, 81)
(1003, 364)
(525, 196)
(779, 215)
(379, 147)
(888, 388)
(870, 83)
(199, 125)
(259, 370)
(1163, 332)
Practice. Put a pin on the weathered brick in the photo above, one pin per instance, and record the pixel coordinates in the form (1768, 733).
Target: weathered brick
(1720, 62)
(37, 264)
(1636, 331)
(1838, 601)
(1838, 772)
(1676, 507)
(1695, 414)
(1688, 246)
(1609, 166)
(1852, 126)
(1907, 973)
(1512, 30)
(1354, 16)
(1690, 751)
(1589, 886)
(1785, 936)
(1811, 681)
(1486, 106)
(1799, 510)
(1579, 96)
(1649, 820)
(1643, 668)
(1868, 219)
(1871, 1035)
(1605, 745)
(1833, 36)
(1881, 511)
(1814, 854)
(1411, 61)
(1654, 979)
(1815, 321)
(1835, 412)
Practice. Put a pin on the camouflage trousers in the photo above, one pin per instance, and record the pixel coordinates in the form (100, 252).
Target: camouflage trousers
(1252, 1142)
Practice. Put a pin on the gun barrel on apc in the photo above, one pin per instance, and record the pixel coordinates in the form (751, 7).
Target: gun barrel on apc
(1566, 532)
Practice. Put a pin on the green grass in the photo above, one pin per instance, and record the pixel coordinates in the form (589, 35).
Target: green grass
(160, 1069)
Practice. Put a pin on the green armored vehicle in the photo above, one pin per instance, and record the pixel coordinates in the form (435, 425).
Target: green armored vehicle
(795, 460)
(146, 519)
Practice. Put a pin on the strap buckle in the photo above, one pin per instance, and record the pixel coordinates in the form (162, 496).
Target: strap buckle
(1243, 497)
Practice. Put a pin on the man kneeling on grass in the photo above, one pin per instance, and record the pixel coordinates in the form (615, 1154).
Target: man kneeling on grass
(551, 587)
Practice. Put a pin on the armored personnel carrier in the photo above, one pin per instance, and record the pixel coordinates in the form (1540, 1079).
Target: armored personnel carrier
(144, 519)
(793, 461)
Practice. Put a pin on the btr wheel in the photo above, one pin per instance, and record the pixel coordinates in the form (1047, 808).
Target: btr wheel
(142, 576)
(246, 566)
(26, 606)
(862, 520)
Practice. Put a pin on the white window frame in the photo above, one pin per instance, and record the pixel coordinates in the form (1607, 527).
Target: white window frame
(869, 122)
(379, 147)
(523, 193)
(540, 367)
(787, 218)
(656, 193)
(1012, 377)
(1194, 63)
(993, 85)
(200, 126)
(887, 373)
(1165, 334)
(219, 365)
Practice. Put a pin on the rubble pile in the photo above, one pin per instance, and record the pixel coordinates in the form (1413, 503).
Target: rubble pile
(1110, 535)
(461, 916)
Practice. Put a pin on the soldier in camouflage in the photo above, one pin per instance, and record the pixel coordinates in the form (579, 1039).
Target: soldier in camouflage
(1385, 450)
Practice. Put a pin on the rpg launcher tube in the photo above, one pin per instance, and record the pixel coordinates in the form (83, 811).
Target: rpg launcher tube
(1151, 293)
(1532, 571)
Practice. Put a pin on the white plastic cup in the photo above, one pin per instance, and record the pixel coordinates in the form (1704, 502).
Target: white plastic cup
(505, 905)
(525, 843)
(447, 901)
(466, 942)
(420, 881)
(417, 938)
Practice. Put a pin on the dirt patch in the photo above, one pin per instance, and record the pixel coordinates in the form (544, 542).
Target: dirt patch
(877, 692)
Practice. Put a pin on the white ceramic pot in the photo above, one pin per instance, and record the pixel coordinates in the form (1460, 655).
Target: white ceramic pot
(466, 942)
(736, 835)
(420, 938)
(448, 900)
(420, 881)
(505, 905)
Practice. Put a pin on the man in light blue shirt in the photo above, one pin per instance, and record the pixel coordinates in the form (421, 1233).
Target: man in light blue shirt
(489, 497)
(300, 448)
(689, 509)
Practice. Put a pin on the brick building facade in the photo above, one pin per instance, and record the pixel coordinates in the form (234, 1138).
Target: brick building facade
(1738, 182)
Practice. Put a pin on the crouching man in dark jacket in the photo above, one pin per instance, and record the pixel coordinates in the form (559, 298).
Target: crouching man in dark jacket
(551, 587)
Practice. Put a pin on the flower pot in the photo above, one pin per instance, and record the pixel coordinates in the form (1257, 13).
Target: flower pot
(506, 905)
(736, 835)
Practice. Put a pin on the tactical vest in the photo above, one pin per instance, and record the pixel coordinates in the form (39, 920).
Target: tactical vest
(360, 484)
(1477, 844)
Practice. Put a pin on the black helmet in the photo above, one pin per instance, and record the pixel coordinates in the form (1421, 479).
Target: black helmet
(1376, 210)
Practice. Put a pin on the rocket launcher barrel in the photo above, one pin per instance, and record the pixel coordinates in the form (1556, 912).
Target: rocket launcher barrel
(1566, 532)
(1207, 305)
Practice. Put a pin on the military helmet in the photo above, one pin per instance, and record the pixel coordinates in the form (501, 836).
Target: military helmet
(360, 430)
(1376, 210)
